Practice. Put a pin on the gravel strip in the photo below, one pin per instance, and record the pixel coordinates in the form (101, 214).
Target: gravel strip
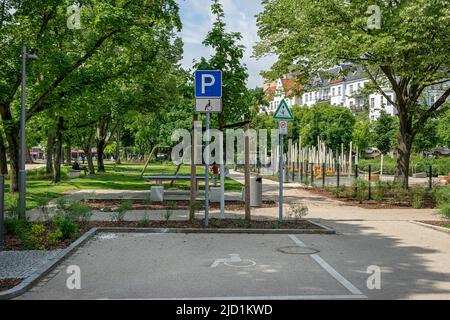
(21, 264)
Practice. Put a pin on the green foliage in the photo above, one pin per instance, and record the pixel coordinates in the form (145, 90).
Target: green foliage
(79, 211)
(297, 211)
(36, 238)
(334, 125)
(144, 221)
(228, 55)
(361, 186)
(15, 226)
(68, 228)
(441, 196)
(381, 189)
(385, 130)
(54, 237)
(417, 194)
(408, 53)
(121, 211)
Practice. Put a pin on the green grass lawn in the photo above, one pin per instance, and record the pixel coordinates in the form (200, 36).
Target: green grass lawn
(127, 176)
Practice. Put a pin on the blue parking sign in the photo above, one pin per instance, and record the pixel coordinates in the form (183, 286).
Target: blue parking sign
(208, 84)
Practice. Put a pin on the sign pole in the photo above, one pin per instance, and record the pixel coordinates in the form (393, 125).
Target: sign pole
(280, 200)
(207, 173)
(222, 190)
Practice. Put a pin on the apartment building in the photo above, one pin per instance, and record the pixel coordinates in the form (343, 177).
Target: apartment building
(340, 86)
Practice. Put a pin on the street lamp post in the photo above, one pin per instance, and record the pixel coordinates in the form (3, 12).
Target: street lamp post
(22, 175)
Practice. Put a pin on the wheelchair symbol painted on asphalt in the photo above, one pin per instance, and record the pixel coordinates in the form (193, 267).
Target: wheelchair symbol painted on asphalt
(235, 261)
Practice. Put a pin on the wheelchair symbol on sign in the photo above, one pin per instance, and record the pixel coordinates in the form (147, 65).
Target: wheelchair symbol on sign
(208, 107)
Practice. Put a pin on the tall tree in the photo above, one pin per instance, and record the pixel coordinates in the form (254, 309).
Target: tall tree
(228, 55)
(408, 51)
(108, 28)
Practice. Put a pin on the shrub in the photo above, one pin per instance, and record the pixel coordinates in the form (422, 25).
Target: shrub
(444, 210)
(16, 226)
(361, 187)
(54, 237)
(78, 211)
(69, 229)
(169, 211)
(144, 221)
(119, 214)
(297, 211)
(381, 188)
(416, 196)
(36, 238)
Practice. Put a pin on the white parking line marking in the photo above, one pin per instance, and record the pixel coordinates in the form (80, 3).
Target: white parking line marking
(336, 275)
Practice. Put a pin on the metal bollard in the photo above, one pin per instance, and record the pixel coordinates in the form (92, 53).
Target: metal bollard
(430, 182)
(312, 174)
(301, 172)
(370, 182)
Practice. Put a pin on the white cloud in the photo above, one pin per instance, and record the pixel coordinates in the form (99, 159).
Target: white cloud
(239, 16)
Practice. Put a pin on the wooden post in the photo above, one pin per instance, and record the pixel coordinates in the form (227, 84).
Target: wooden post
(247, 169)
(193, 173)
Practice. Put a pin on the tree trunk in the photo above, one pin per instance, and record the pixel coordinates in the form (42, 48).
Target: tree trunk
(69, 154)
(28, 158)
(3, 161)
(102, 137)
(100, 162)
(405, 138)
(118, 133)
(13, 151)
(58, 151)
(87, 147)
(50, 142)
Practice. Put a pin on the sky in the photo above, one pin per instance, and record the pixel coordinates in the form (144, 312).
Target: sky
(239, 16)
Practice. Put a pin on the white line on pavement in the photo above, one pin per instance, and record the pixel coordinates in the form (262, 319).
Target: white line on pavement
(336, 275)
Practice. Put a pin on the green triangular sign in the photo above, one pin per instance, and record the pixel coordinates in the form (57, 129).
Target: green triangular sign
(283, 112)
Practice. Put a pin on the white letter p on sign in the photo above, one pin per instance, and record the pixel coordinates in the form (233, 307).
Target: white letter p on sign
(207, 84)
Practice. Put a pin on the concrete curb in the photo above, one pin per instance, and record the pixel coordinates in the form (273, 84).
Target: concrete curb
(29, 282)
(437, 228)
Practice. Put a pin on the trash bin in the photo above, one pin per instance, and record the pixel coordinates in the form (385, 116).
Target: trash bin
(256, 192)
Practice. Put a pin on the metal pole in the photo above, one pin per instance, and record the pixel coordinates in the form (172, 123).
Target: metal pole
(430, 181)
(2, 193)
(370, 182)
(193, 172)
(301, 172)
(207, 173)
(280, 200)
(22, 177)
(312, 174)
(222, 189)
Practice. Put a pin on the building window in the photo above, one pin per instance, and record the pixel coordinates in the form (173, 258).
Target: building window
(306, 98)
(372, 102)
(333, 92)
(359, 86)
(351, 89)
(382, 101)
(339, 91)
(388, 102)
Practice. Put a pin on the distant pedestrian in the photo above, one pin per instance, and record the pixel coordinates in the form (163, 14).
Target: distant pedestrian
(215, 172)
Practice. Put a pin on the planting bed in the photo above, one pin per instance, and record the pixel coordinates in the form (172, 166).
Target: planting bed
(112, 205)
